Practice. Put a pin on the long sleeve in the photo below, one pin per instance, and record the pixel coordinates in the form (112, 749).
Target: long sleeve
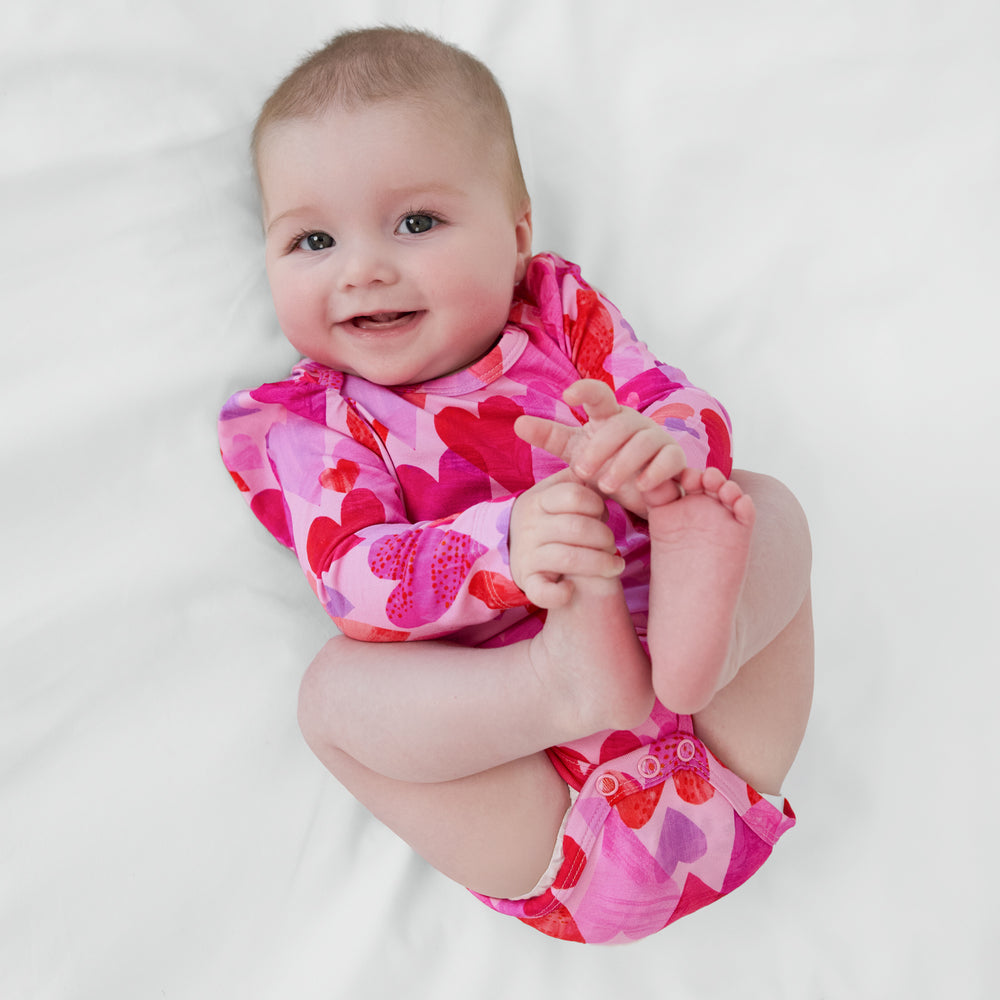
(315, 474)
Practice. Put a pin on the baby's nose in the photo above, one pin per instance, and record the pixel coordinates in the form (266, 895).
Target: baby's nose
(365, 263)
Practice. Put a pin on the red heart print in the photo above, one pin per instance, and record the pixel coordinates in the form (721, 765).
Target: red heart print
(327, 539)
(487, 440)
(592, 335)
(341, 478)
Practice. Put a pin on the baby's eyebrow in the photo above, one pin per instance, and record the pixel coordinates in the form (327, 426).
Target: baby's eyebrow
(411, 191)
(426, 187)
(302, 210)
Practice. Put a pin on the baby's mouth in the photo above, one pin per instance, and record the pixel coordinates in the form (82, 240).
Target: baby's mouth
(381, 321)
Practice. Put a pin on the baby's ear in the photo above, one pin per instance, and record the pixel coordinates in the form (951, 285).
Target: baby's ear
(522, 234)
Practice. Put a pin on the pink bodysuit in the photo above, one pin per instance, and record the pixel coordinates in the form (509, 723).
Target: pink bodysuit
(397, 503)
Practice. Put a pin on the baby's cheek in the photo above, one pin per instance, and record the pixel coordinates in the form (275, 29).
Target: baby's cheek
(301, 318)
(489, 304)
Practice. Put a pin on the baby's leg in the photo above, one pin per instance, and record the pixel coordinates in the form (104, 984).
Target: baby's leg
(700, 549)
(435, 711)
(443, 743)
(728, 575)
(755, 723)
(493, 832)
(429, 711)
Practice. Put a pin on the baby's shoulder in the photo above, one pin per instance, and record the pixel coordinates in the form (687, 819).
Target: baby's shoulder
(310, 391)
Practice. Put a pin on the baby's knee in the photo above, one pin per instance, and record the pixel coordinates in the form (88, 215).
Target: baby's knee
(774, 497)
(315, 692)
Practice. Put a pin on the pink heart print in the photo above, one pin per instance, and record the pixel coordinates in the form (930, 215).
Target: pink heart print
(431, 565)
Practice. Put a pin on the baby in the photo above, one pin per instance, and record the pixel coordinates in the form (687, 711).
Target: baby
(478, 452)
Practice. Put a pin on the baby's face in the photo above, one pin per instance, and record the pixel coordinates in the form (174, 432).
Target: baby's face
(392, 247)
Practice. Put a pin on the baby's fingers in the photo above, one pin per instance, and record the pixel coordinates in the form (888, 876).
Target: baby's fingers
(643, 453)
(555, 438)
(565, 494)
(568, 559)
(667, 463)
(548, 584)
(597, 398)
(578, 532)
(546, 591)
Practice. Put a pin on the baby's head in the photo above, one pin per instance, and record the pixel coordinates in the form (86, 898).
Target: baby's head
(396, 215)
(360, 68)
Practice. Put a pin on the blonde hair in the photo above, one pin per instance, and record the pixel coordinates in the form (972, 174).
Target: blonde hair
(365, 66)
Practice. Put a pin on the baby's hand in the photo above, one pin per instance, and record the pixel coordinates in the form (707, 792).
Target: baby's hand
(558, 531)
(619, 452)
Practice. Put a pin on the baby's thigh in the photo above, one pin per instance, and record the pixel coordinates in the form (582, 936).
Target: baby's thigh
(756, 723)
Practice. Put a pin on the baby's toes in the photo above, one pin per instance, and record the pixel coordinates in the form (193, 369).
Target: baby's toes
(743, 510)
(713, 480)
(728, 493)
(691, 480)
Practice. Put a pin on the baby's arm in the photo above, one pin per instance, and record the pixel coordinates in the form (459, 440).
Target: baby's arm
(316, 476)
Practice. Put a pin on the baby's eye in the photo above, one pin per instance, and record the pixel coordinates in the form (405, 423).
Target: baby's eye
(417, 223)
(315, 241)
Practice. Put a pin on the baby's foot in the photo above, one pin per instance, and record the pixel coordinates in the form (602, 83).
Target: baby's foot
(700, 548)
(590, 655)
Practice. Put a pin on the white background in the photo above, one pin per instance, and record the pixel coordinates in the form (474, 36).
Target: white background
(795, 202)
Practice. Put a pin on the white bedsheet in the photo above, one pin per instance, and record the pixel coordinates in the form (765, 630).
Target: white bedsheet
(795, 202)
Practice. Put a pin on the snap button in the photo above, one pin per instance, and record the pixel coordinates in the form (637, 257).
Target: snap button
(685, 750)
(607, 784)
(649, 766)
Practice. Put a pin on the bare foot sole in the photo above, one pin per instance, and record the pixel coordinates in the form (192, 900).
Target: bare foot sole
(700, 547)
(588, 651)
